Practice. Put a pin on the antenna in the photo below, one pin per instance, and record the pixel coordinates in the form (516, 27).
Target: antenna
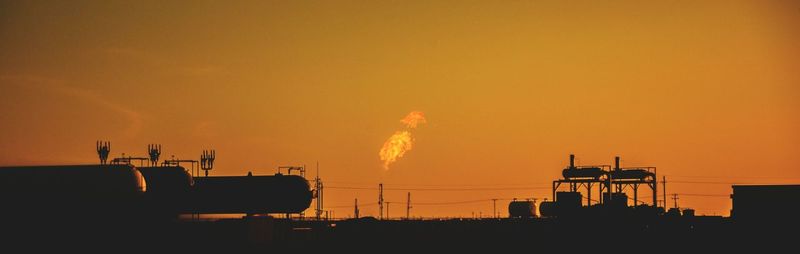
(103, 149)
(154, 150)
(207, 160)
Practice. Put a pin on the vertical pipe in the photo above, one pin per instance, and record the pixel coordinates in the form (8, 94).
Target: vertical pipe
(571, 161)
(616, 163)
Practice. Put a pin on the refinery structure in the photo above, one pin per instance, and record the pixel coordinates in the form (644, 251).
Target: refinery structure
(168, 202)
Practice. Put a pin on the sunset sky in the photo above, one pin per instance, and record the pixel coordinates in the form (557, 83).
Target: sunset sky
(706, 91)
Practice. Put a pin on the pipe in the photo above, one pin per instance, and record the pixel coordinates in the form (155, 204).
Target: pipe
(616, 163)
(571, 161)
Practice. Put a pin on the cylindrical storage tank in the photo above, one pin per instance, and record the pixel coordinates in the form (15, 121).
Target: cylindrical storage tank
(166, 180)
(250, 194)
(547, 209)
(168, 190)
(521, 209)
(631, 174)
(582, 172)
(73, 190)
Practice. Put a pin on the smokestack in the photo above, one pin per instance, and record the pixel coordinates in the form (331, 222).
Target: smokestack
(571, 161)
(616, 163)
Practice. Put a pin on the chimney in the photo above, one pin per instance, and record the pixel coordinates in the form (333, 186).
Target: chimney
(616, 163)
(571, 161)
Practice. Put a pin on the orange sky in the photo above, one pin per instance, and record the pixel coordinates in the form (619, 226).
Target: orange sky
(707, 91)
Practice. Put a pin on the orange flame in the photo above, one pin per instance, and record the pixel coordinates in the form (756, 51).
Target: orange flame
(414, 118)
(402, 141)
(395, 147)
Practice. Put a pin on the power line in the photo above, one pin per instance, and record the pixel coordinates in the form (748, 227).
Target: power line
(705, 182)
(438, 189)
(736, 177)
(351, 205)
(445, 185)
(705, 195)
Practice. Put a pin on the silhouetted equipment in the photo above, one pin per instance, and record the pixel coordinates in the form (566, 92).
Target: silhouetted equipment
(380, 200)
(675, 200)
(623, 178)
(568, 202)
(128, 160)
(547, 209)
(766, 204)
(582, 176)
(319, 195)
(168, 189)
(251, 194)
(494, 208)
(616, 200)
(521, 209)
(103, 149)
(612, 184)
(408, 207)
(688, 212)
(355, 212)
(301, 169)
(154, 151)
(70, 189)
(194, 170)
(207, 160)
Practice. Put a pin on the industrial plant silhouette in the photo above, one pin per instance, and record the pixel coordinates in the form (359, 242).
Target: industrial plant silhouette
(158, 206)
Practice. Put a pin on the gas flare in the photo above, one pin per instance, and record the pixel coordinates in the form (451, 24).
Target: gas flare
(395, 147)
(414, 118)
(402, 141)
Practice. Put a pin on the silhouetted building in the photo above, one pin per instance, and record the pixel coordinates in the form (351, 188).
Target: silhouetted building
(758, 204)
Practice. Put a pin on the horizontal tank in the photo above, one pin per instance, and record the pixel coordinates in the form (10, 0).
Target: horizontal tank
(547, 209)
(631, 174)
(168, 190)
(166, 180)
(521, 209)
(77, 188)
(581, 172)
(250, 194)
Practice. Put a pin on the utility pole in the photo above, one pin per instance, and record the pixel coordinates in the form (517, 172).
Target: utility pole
(355, 213)
(675, 199)
(380, 200)
(408, 207)
(318, 191)
(664, 186)
(494, 208)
